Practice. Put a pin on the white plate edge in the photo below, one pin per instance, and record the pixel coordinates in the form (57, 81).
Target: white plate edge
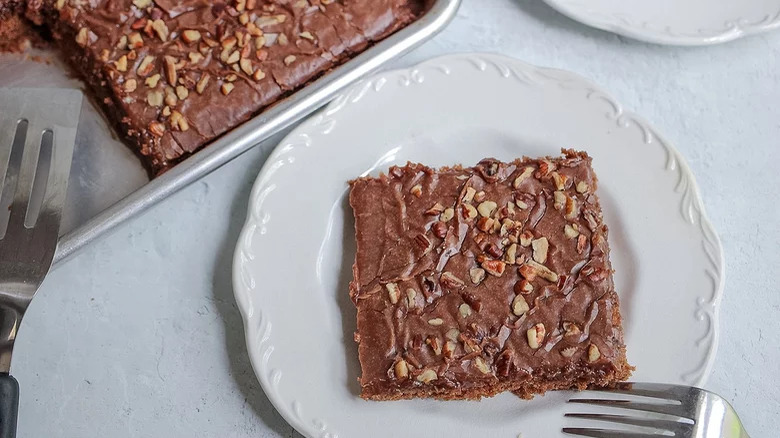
(256, 327)
(732, 30)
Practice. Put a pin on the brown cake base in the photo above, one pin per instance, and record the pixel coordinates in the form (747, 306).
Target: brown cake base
(16, 33)
(473, 281)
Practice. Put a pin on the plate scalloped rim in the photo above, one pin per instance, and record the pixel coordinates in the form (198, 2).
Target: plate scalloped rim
(660, 33)
(258, 325)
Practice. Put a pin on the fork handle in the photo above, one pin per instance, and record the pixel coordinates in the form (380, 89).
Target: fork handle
(9, 405)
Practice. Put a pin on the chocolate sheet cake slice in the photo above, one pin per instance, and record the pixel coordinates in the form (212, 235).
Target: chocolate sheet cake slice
(472, 281)
(174, 74)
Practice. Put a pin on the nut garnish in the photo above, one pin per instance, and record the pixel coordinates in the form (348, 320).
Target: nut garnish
(130, 85)
(449, 348)
(121, 63)
(435, 209)
(161, 29)
(452, 334)
(416, 190)
(559, 180)
(571, 209)
(487, 208)
(568, 352)
(182, 92)
(411, 294)
(494, 267)
(436, 322)
(469, 212)
(593, 353)
(178, 121)
(82, 37)
(535, 335)
(510, 256)
(146, 66)
(423, 243)
(190, 36)
(449, 280)
(195, 57)
(170, 97)
(485, 224)
(258, 75)
(289, 59)
(541, 271)
(469, 195)
(480, 196)
(581, 242)
(246, 66)
(307, 35)
(570, 231)
(401, 369)
(122, 43)
(582, 187)
(519, 305)
(540, 247)
(226, 88)
(571, 328)
(141, 4)
(157, 128)
(477, 275)
(524, 287)
(435, 344)
(545, 167)
(519, 180)
(427, 376)
(481, 365)
(526, 237)
(439, 229)
(465, 310)
(135, 40)
(233, 57)
(202, 82)
(447, 214)
(559, 200)
(154, 98)
(393, 291)
(522, 205)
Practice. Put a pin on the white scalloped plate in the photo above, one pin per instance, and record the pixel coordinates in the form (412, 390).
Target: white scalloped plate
(677, 22)
(293, 260)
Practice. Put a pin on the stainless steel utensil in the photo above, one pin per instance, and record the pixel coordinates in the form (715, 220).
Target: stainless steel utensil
(682, 410)
(37, 135)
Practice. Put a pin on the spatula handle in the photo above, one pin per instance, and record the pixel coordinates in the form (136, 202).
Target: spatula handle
(9, 405)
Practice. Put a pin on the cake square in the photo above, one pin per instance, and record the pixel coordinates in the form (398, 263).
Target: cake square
(173, 75)
(473, 281)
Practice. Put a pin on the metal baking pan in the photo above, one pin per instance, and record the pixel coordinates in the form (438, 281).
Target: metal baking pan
(108, 184)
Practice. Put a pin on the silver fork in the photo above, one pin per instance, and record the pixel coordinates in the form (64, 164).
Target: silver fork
(683, 411)
(37, 135)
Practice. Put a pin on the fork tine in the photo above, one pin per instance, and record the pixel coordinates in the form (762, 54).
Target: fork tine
(658, 408)
(56, 187)
(7, 124)
(606, 433)
(654, 390)
(32, 146)
(668, 425)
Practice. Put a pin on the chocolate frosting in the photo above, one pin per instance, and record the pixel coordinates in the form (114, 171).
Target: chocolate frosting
(250, 52)
(425, 275)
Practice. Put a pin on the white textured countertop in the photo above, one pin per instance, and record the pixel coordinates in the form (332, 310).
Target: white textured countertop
(139, 335)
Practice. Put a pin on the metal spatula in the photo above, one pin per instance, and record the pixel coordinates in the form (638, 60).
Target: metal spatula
(37, 134)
